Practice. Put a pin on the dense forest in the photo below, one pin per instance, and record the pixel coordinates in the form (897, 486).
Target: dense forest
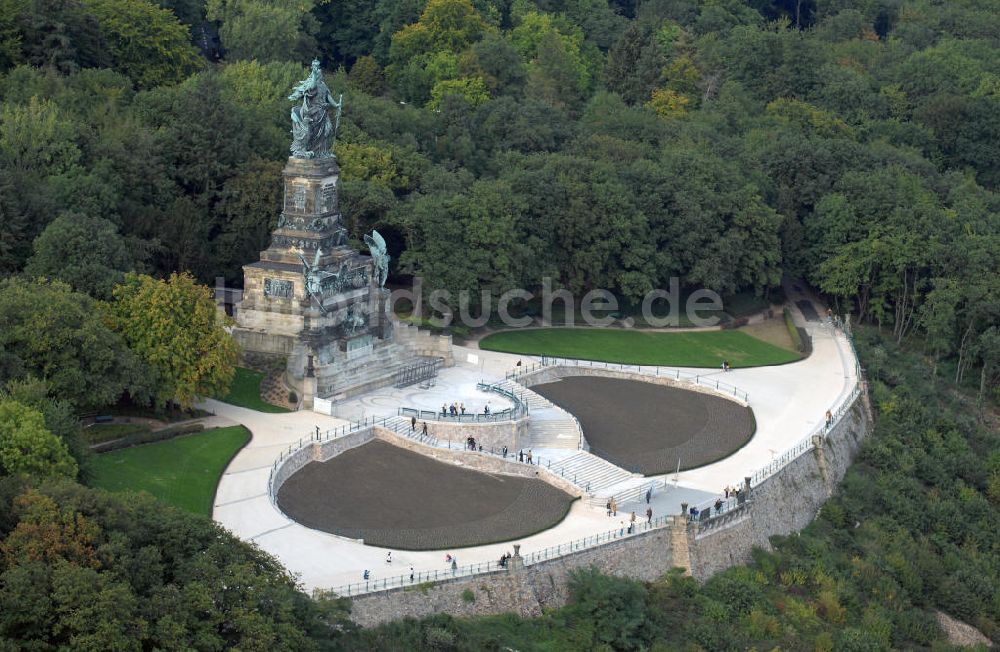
(602, 144)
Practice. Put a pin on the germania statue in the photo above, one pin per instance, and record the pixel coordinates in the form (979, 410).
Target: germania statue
(313, 132)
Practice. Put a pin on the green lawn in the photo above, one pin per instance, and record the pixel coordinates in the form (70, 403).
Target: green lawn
(245, 392)
(689, 349)
(182, 471)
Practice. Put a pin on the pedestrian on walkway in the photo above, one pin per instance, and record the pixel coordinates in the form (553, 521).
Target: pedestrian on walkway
(505, 452)
(444, 410)
(649, 516)
(424, 431)
(365, 575)
(614, 507)
(454, 564)
(649, 494)
(462, 408)
(411, 573)
(413, 423)
(529, 456)
(520, 455)
(609, 507)
(388, 557)
(621, 528)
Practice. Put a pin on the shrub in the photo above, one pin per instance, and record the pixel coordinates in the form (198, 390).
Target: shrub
(468, 596)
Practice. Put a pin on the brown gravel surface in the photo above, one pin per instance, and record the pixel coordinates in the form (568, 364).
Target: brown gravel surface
(646, 427)
(396, 498)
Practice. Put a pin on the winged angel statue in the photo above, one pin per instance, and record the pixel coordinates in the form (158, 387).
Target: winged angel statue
(316, 278)
(376, 245)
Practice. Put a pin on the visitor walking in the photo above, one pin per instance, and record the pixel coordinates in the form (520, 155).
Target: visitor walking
(424, 430)
(462, 408)
(614, 507)
(609, 508)
(520, 455)
(621, 528)
(649, 516)
(388, 557)
(413, 423)
(411, 574)
(649, 494)
(529, 456)
(365, 575)
(444, 410)
(505, 452)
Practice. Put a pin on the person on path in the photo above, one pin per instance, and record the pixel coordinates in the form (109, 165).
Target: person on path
(649, 494)
(520, 456)
(454, 564)
(388, 557)
(529, 456)
(365, 576)
(621, 528)
(649, 516)
(614, 507)
(411, 573)
(632, 518)
(424, 430)
(505, 452)
(413, 423)
(609, 507)
(462, 408)
(444, 410)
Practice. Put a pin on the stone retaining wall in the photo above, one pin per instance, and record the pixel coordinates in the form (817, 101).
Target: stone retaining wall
(554, 373)
(783, 503)
(479, 461)
(495, 434)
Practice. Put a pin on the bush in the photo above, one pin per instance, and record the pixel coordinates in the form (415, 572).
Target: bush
(468, 596)
(148, 437)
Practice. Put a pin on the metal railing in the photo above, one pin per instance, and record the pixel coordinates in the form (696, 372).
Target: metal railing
(632, 493)
(596, 540)
(414, 579)
(417, 578)
(699, 379)
(517, 411)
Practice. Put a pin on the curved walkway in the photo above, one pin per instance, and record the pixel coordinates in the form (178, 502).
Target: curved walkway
(789, 401)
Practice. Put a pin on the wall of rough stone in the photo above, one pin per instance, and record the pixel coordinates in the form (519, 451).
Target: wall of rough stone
(488, 434)
(424, 342)
(479, 461)
(524, 591)
(785, 502)
(554, 373)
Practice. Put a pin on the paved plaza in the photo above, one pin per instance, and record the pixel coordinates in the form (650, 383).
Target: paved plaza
(650, 428)
(389, 496)
(788, 401)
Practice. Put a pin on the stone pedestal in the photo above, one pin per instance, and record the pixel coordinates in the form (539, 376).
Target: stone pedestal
(337, 339)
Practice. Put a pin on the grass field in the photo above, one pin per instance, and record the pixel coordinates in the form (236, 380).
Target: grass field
(181, 471)
(689, 349)
(245, 392)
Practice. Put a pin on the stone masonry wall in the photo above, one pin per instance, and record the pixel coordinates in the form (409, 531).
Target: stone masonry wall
(524, 591)
(785, 502)
(554, 373)
(479, 461)
(488, 434)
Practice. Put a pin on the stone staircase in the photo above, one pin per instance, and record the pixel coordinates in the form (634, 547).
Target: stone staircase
(552, 427)
(534, 401)
(377, 369)
(590, 472)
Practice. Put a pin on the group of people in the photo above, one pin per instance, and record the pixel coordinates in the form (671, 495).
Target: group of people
(521, 457)
(455, 409)
(632, 525)
(504, 558)
(470, 443)
(725, 366)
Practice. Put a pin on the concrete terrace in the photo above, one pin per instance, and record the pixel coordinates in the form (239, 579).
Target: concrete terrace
(789, 402)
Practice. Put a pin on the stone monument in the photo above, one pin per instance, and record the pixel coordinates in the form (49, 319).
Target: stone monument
(313, 300)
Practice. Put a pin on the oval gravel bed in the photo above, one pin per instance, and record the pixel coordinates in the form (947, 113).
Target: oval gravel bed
(647, 427)
(396, 498)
